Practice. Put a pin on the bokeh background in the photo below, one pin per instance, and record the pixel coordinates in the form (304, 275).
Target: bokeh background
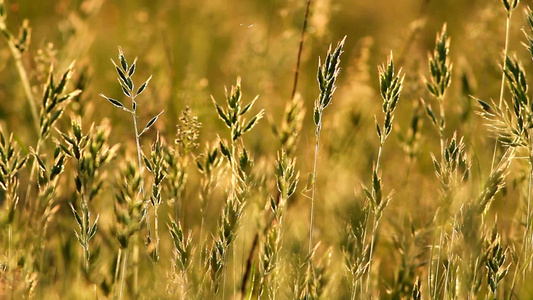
(193, 48)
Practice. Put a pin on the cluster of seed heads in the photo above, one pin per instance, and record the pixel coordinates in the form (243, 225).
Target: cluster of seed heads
(91, 152)
(327, 75)
(125, 73)
(130, 208)
(11, 162)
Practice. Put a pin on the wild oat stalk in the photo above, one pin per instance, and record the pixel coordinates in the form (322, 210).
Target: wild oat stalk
(287, 134)
(355, 249)
(130, 212)
(157, 165)
(391, 84)
(497, 267)
(452, 156)
(327, 76)
(125, 73)
(287, 180)
(91, 152)
(513, 126)
(471, 258)
(239, 162)
(43, 208)
(312, 285)
(440, 70)
(509, 6)
(47, 206)
(54, 102)
(518, 85)
(182, 257)
(177, 161)
(11, 162)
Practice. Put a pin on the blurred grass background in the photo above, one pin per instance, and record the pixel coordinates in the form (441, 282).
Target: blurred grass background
(194, 48)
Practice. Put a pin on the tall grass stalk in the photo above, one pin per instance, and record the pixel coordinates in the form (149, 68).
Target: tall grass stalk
(122, 277)
(239, 162)
(16, 48)
(527, 239)
(391, 84)
(300, 50)
(327, 76)
(287, 134)
(54, 102)
(117, 269)
(440, 78)
(125, 73)
(509, 6)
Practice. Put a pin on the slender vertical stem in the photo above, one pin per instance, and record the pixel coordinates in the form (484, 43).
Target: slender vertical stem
(300, 49)
(31, 204)
(138, 144)
(235, 270)
(225, 275)
(22, 74)
(515, 276)
(317, 146)
(84, 215)
(201, 237)
(505, 50)
(430, 265)
(448, 269)
(124, 260)
(117, 268)
(372, 241)
(242, 259)
(135, 263)
(502, 86)
(436, 281)
(527, 239)
(85, 261)
(379, 155)
(441, 127)
(141, 190)
(156, 229)
(9, 264)
(354, 289)
(374, 222)
(233, 197)
(360, 287)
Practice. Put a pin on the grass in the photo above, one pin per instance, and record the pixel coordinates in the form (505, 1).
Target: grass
(209, 200)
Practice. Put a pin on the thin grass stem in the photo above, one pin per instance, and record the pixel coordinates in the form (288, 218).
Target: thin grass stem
(117, 269)
(502, 85)
(448, 269)
(9, 264)
(124, 261)
(313, 192)
(15, 52)
(300, 50)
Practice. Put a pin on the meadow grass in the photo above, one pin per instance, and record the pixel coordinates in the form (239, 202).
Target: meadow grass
(208, 199)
